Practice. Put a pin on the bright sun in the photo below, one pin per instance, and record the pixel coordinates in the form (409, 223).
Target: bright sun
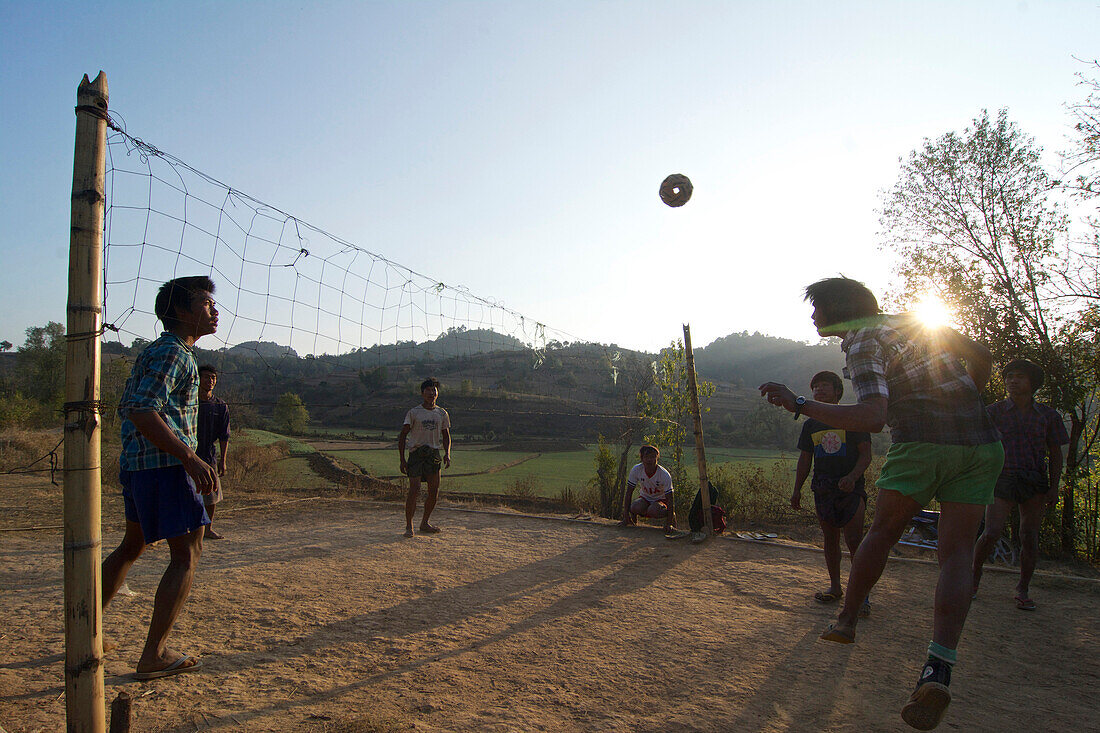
(933, 312)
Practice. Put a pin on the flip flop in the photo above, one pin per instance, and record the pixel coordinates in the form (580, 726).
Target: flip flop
(675, 534)
(1025, 604)
(827, 597)
(832, 633)
(176, 667)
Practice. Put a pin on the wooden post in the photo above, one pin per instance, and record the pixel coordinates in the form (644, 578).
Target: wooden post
(84, 696)
(122, 713)
(700, 453)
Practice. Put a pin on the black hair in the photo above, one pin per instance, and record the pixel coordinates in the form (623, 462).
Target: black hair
(831, 377)
(839, 299)
(177, 295)
(208, 368)
(1034, 373)
(429, 382)
(649, 449)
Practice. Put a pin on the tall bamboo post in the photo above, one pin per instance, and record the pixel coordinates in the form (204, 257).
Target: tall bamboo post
(700, 453)
(84, 695)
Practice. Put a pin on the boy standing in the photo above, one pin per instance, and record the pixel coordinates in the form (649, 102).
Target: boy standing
(213, 428)
(926, 385)
(839, 458)
(1031, 431)
(427, 429)
(655, 497)
(162, 477)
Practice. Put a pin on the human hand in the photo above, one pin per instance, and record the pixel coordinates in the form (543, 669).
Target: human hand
(201, 473)
(796, 499)
(778, 394)
(404, 467)
(221, 466)
(1052, 498)
(447, 459)
(846, 484)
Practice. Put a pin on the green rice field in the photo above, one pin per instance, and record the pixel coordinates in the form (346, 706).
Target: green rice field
(542, 474)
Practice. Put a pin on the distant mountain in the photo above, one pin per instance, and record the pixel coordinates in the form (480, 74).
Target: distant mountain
(264, 349)
(749, 360)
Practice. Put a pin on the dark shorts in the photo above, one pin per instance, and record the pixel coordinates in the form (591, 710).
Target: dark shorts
(424, 461)
(163, 501)
(835, 507)
(1020, 486)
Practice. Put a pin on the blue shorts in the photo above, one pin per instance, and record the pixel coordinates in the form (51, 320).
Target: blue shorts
(163, 501)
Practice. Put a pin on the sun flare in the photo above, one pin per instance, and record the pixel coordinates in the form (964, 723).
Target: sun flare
(933, 312)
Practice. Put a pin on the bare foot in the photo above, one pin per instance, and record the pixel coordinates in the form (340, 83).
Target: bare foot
(428, 529)
(408, 531)
(212, 535)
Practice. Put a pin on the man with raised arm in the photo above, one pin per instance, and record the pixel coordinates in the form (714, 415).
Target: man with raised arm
(926, 385)
(426, 431)
(163, 479)
(1032, 431)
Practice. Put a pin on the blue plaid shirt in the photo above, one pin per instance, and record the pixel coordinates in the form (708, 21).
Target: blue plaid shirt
(930, 397)
(165, 380)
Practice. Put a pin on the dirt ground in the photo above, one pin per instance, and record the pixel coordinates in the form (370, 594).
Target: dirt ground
(319, 616)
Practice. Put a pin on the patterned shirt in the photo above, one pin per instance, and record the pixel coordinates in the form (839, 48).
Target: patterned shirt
(931, 398)
(1028, 434)
(165, 380)
(213, 427)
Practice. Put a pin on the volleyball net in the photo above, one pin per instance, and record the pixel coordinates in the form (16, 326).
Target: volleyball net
(303, 309)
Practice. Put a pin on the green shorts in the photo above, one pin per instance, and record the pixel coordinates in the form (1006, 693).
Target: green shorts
(927, 471)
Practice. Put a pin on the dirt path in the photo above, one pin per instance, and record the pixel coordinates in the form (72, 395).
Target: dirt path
(322, 618)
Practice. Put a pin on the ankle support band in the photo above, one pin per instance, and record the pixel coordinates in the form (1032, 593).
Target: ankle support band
(942, 653)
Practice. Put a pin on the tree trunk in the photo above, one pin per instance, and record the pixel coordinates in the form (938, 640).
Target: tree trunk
(1069, 529)
(620, 476)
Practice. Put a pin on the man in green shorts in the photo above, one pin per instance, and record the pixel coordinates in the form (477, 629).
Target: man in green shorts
(427, 429)
(926, 385)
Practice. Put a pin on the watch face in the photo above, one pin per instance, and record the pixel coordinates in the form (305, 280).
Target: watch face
(800, 401)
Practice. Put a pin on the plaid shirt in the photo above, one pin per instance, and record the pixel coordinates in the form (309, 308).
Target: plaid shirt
(1028, 434)
(931, 398)
(165, 380)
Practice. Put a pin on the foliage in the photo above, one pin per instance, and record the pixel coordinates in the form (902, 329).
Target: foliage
(976, 220)
(669, 408)
(604, 482)
(290, 413)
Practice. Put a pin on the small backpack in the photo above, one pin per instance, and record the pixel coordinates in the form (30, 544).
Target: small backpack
(717, 518)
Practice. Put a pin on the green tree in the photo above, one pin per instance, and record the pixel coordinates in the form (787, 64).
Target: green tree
(290, 414)
(669, 407)
(977, 220)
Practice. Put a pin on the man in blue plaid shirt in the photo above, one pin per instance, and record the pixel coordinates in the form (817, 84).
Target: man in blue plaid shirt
(925, 384)
(162, 478)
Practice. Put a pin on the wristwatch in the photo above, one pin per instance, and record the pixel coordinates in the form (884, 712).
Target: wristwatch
(799, 402)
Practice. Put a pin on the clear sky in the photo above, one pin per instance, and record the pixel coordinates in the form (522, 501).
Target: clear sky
(516, 148)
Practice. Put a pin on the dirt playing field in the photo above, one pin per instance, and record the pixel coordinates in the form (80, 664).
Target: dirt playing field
(319, 616)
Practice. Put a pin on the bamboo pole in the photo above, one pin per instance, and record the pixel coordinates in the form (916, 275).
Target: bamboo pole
(700, 453)
(84, 694)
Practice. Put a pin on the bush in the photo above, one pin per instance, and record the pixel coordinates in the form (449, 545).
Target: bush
(253, 466)
(19, 448)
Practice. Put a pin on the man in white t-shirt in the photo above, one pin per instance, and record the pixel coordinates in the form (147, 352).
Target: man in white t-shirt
(654, 485)
(426, 431)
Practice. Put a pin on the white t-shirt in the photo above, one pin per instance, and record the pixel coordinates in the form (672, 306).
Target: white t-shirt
(427, 426)
(653, 488)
